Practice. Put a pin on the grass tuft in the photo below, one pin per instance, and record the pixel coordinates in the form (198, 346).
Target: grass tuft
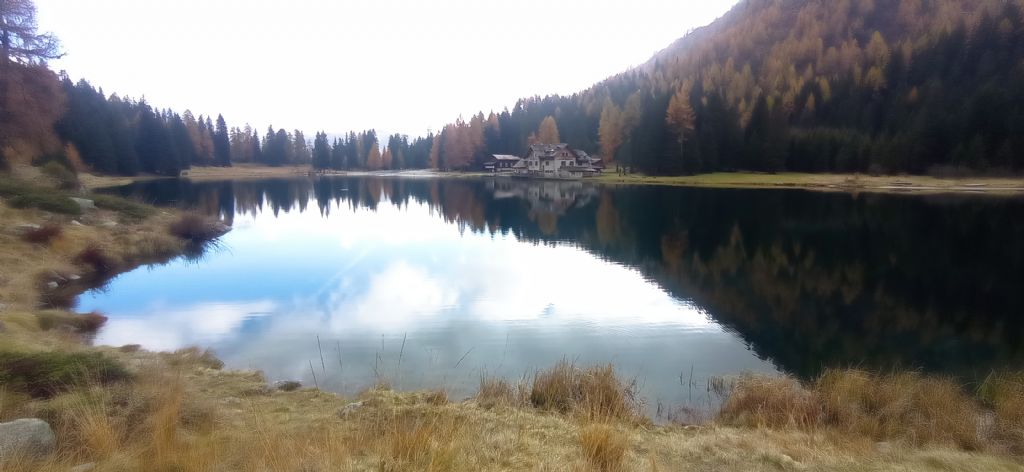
(43, 374)
(195, 357)
(595, 393)
(497, 391)
(197, 228)
(43, 235)
(905, 406)
(84, 323)
(604, 447)
(95, 258)
(770, 402)
(1003, 392)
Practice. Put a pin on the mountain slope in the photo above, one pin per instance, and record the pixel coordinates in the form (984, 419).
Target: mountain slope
(807, 85)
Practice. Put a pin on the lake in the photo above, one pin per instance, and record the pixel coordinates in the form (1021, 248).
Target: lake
(431, 283)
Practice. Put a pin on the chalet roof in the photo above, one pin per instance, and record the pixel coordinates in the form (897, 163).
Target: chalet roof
(506, 157)
(519, 165)
(548, 151)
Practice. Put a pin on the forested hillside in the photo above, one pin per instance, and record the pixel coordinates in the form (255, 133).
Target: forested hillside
(802, 85)
(878, 86)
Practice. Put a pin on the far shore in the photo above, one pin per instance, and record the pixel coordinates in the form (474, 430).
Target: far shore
(852, 183)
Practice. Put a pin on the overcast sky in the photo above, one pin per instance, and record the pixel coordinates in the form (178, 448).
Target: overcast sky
(393, 65)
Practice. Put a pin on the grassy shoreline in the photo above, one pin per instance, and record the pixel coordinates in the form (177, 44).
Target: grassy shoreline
(851, 183)
(124, 408)
(917, 184)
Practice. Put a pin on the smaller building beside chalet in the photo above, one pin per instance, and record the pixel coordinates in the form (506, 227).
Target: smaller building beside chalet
(550, 161)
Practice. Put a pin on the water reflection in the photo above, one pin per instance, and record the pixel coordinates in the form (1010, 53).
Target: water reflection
(506, 276)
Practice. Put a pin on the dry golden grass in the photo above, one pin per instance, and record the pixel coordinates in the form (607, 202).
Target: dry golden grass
(108, 246)
(181, 414)
(770, 402)
(905, 406)
(595, 393)
(498, 391)
(604, 447)
(1003, 392)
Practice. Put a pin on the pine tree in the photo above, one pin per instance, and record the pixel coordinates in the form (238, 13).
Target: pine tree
(321, 152)
(221, 144)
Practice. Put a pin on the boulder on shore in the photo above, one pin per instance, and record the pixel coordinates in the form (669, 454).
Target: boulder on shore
(84, 203)
(287, 385)
(26, 438)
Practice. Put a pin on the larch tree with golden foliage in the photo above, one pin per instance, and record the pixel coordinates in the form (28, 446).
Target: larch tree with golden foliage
(609, 131)
(548, 132)
(374, 160)
(434, 158)
(680, 116)
(24, 83)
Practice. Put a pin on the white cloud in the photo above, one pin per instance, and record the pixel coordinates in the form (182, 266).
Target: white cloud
(393, 65)
(179, 327)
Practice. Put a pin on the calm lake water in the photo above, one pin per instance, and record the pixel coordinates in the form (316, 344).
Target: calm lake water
(430, 283)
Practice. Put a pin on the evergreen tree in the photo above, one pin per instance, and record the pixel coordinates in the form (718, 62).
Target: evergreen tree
(321, 152)
(221, 144)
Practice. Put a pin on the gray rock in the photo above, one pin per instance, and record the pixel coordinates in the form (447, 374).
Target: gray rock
(83, 468)
(52, 285)
(76, 223)
(74, 277)
(30, 437)
(24, 228)
(84, 203)
(349, 409)
(287, 385)
(108, 224)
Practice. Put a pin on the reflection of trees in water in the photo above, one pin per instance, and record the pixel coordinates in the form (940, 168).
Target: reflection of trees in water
(808, 279)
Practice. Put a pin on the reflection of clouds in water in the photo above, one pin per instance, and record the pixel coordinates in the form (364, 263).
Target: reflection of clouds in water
(362, 279)
(182, 326)
(396, 297)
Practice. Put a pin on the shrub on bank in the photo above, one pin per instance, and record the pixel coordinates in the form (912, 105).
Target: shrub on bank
(55, 203)
(128, 209)
(82, 323)
(42, 235)
(65, 177)
(44, 374)
(22, 195)
(96, 259)
(196, 228)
